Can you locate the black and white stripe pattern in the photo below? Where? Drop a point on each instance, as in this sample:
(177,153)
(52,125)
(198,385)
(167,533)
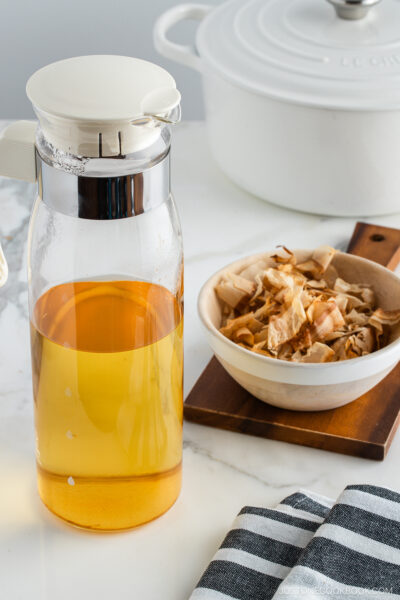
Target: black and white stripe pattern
(261,548)
(308,548)
(355,553)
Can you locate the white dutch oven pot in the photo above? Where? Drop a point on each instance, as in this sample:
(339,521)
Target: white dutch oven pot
(302,98)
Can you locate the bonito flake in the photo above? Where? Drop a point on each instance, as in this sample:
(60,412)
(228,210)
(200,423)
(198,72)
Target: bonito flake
(302,312)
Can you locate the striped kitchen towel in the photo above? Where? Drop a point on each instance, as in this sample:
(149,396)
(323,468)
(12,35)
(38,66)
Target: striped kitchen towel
(307,549)
(354,554)
(261,548)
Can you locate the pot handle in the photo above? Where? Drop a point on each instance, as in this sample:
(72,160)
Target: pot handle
(185,55)
(353,10)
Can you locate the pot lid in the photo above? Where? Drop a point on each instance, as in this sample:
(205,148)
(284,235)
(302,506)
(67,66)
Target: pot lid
(328,53)
(97,105)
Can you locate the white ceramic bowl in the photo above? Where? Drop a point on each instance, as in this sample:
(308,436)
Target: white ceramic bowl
(308,387)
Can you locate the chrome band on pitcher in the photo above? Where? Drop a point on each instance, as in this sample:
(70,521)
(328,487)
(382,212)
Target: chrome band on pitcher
(103,198)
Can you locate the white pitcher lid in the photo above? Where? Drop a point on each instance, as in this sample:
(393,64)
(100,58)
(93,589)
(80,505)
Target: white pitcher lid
(329,53)
(87,105)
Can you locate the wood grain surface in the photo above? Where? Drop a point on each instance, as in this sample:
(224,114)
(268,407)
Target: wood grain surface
(363,428)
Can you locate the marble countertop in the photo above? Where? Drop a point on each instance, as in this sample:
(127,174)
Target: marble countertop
(41,558)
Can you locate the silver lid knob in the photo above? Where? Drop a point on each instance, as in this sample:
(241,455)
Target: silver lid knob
(353,9)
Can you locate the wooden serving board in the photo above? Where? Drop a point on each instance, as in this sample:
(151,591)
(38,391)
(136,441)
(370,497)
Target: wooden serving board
(363,428)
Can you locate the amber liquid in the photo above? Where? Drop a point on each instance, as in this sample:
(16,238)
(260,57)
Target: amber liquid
(107,377)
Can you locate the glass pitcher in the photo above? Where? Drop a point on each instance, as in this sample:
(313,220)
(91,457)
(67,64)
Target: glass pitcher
(105,277)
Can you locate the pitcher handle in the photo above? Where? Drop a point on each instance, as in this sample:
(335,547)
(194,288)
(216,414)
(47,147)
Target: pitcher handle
(17,151)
